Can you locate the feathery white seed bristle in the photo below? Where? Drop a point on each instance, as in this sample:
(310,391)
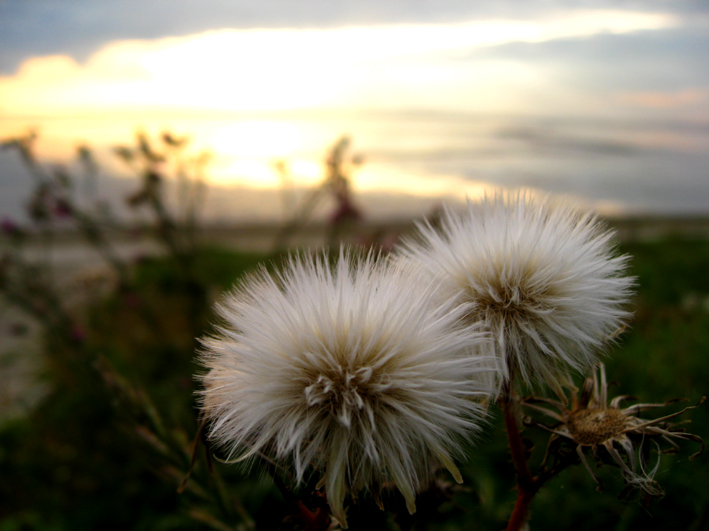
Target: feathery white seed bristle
(350,368)
(541,275)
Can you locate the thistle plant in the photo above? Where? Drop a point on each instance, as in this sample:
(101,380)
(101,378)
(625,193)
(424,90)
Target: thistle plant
(365,373)
(593,422)
(543,279)
(540,275)
(348,371)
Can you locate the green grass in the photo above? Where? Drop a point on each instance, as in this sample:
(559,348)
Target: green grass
(77,462)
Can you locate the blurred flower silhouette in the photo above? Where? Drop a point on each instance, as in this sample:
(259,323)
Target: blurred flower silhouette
(349,368)
(541,276)
(9,227)
(339,164)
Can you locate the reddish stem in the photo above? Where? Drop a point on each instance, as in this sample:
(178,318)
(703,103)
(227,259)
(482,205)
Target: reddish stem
(526,484)
(519,513)
(517,448)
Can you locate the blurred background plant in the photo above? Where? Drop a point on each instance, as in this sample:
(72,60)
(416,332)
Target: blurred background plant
(113,435)
(115,432)
(339,164)
(76,460)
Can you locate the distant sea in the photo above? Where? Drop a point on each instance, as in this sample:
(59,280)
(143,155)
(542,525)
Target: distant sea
(412,160)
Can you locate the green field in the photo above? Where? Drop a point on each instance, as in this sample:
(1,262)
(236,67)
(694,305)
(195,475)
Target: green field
(109,445)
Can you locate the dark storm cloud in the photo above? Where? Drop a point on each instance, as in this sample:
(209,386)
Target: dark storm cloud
(79,27)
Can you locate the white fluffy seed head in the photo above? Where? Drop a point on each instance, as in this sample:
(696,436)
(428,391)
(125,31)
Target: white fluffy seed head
(350,369)
(541,275)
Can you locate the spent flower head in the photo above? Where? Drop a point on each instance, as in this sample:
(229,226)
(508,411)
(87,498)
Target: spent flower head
(541,275)
(592,421)
(348,369)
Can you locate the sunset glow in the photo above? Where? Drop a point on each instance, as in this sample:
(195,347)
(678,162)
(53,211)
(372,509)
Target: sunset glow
(285,69)
(255,96)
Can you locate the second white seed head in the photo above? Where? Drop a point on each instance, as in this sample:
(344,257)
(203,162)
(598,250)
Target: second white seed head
(542,276)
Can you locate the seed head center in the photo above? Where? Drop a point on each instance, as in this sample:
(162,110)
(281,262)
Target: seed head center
(343,392)
(590,427)
(504,299)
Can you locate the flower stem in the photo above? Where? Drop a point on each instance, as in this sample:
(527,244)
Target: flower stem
(526,484)
(521,509)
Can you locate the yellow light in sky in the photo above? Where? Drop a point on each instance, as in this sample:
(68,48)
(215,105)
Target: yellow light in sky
(377,67)
(257,139)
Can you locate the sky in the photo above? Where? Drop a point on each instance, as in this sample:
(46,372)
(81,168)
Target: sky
(607,102)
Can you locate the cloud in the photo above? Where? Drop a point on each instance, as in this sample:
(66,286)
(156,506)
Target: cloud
(683,98)
(79,27)
(670,59)
(365,66)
